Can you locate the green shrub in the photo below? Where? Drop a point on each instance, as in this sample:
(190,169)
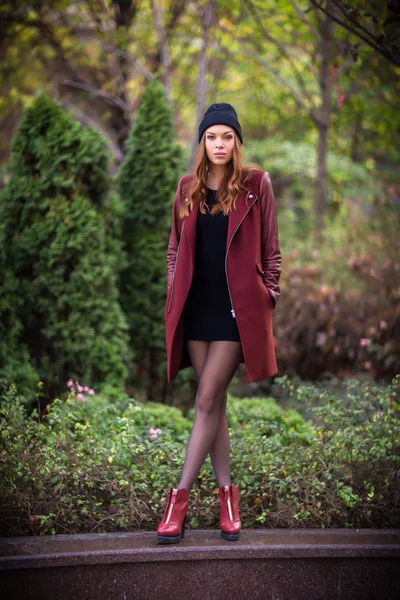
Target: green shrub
(91,465)
(59,257)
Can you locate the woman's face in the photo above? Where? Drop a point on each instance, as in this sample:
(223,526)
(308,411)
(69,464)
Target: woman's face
(219,140)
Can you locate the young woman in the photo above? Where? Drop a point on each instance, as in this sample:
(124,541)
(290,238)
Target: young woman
(223,265)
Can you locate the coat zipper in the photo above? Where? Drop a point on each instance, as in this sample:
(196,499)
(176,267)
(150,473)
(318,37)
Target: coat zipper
(226,256)
(176,260)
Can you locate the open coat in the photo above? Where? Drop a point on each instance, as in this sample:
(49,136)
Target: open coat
(252,266)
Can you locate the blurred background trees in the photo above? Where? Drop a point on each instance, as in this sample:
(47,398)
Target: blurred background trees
(319,109)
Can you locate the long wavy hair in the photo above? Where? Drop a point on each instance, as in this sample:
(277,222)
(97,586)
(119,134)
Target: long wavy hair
(236,174)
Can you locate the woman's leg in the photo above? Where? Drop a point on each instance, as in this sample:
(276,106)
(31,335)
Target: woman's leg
(221,363)
(220,450)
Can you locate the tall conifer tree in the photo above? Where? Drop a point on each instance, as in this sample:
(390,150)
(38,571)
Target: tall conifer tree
(147,182)
(58,244)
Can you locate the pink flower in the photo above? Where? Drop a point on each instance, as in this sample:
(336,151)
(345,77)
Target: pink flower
(364,342)
(86,389)
(91,392)
(70,383)
(80,388)
(92,441)
(72,392)
(154,433)
(81,397)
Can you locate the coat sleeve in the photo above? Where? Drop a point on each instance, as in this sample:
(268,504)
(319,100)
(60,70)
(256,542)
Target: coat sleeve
(270,252)
(176,227)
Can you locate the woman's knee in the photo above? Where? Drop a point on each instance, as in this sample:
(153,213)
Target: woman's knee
(209,401)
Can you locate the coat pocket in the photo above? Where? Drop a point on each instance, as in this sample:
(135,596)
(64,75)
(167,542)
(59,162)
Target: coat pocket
(260,271)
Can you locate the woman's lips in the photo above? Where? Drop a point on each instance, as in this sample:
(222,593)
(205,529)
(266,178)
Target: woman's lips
(219,155)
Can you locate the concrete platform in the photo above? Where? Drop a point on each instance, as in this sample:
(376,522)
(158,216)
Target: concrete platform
(276,564)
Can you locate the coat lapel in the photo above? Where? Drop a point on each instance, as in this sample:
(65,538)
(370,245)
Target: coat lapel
(244,202)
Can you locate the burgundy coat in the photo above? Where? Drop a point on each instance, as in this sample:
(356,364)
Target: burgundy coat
(253,268)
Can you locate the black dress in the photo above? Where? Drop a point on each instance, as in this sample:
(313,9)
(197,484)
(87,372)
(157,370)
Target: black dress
(207,312)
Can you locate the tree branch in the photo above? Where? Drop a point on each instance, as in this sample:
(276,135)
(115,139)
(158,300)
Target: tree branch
(297,96)
(110,98)
(368,38)
(306,20)
(127,56)
(280,47)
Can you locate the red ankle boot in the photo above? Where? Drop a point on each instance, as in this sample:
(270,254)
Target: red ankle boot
(172,526)
(229,512)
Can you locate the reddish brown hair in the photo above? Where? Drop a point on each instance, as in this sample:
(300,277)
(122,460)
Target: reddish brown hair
(236,174)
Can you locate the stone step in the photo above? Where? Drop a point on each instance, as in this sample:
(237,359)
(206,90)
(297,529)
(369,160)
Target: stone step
(276,564)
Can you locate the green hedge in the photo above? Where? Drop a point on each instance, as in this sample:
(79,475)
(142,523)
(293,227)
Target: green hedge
(94,465)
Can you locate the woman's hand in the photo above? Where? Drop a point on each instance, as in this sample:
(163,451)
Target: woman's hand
(270,252)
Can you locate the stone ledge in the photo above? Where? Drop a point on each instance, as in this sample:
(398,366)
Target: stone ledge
(65,550)
(276,564)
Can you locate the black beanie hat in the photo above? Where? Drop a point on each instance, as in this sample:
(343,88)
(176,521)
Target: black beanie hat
(220,114)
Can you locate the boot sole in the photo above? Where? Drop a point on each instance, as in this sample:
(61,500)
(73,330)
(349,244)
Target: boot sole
(172,539)
(229,537)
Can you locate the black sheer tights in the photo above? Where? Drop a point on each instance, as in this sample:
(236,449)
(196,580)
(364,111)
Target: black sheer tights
(214,363)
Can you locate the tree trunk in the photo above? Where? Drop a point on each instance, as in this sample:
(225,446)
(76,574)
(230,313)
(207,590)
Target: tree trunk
(322,121)
(321,183)
(201,93)
(164,50)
